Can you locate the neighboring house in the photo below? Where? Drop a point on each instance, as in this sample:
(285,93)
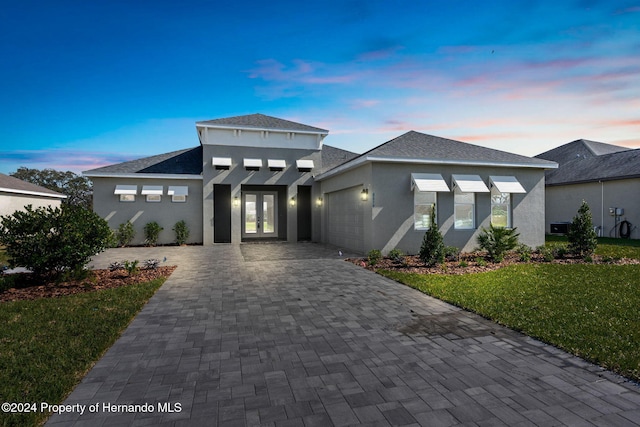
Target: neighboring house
(15,194)
(606,176)
(258,177)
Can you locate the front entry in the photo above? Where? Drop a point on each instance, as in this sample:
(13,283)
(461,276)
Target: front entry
(259,214)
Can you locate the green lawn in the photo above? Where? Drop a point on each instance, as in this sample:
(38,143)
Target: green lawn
(48,345)
(614,248)
(588,310)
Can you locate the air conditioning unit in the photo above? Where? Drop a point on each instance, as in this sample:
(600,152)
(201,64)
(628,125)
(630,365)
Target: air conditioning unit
(560,227)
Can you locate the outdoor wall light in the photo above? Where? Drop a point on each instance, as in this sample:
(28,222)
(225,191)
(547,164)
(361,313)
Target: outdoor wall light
(364,194)
(319,201)
(292,201)
(236,201)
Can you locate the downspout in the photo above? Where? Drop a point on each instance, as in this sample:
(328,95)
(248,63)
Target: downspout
(602,205)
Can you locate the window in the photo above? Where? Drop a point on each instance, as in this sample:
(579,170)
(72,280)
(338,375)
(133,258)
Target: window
(126,193)
(153,193)
(464,210)
(423,203)
(500,208)
(154,198)
(178,193)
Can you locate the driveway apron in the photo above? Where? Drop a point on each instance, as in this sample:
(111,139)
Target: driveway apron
(292,335)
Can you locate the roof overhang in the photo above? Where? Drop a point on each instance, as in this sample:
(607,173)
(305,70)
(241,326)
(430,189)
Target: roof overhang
(359,161)
(258,129)
(90,174)
(276,164)
(126,189)
(32,193)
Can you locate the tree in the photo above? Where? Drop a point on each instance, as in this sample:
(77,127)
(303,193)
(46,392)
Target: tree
(50,240)
(77,188)
(583,239)
(432,251)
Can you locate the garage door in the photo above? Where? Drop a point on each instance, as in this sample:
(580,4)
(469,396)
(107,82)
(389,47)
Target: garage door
(345,219)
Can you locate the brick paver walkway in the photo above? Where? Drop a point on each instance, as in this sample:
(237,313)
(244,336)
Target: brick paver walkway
(291,335)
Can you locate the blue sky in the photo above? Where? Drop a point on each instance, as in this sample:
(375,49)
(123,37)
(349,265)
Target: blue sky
(89,83)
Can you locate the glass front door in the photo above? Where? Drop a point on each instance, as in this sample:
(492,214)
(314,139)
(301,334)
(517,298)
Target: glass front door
(259,216)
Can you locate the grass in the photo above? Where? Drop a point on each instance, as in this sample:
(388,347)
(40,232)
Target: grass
(48,345)
(588,310)
(614,248)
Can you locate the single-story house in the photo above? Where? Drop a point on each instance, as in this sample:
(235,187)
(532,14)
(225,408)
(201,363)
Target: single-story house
(258,177)
(15,194)
(606,176)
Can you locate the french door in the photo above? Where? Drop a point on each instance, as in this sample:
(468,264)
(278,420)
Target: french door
(259,214)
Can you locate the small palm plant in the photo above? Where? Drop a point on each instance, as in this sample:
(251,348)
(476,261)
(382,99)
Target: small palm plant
(497,241)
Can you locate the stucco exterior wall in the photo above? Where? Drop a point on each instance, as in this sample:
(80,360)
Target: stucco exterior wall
(393,206)
(563,201)
(11,202)
(388,213)
(237,176)
(166,213)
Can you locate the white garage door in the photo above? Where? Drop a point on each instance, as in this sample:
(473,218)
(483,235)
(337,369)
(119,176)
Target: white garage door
(345,219)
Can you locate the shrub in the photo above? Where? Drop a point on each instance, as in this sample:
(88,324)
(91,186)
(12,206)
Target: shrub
(131,267)
(151,264)
(481,262)
(182,232)
(463,264)
(497,241)
(583,239)
(451,253)
(524,252)
(560,251)
(125,234)
(151,233)
(374,256)
(432,250)
(53,240)
(546,252)
(396,255)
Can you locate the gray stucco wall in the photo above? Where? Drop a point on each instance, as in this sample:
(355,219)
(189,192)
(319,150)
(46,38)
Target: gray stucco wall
(237,176)
(166,213)
(388,213)
(563,201)
(393,206)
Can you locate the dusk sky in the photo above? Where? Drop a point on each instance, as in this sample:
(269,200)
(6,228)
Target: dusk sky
(89,83)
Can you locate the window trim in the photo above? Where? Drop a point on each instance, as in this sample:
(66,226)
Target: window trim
(176,198)
(127,198)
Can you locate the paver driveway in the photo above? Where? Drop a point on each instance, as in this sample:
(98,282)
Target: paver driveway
(291,335)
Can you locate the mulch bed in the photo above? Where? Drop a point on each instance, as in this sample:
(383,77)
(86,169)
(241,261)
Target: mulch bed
(474,262)
(32,288)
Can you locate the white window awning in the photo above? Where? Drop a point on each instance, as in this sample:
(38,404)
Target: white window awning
(507,184)
(275,164)
(469,184)
(304,164)
(178,191)
(221,162)
(126,189)
(252,164)
(152,190)
(428,182)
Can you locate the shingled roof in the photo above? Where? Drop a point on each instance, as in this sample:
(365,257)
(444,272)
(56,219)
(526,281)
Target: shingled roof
(416,147)
(10,184)
(260,121)
(181,162)
(332,157)
(579,148)
(589,161)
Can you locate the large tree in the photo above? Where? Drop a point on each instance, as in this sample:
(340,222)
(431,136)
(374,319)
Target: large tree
(77,188)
